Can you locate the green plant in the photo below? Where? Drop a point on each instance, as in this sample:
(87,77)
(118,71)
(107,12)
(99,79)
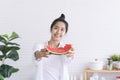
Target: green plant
(8,50)
(118,57)
(115,57)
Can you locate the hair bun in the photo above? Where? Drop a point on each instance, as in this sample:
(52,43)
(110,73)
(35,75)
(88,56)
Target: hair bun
(62,16)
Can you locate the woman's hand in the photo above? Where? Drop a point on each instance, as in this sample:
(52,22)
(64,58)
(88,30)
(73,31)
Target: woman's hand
(70,53)
(41,53)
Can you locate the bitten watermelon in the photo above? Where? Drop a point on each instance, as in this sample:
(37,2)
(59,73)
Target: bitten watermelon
(59,50)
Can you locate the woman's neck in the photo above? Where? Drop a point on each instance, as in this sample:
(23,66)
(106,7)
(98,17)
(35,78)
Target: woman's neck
(53,43)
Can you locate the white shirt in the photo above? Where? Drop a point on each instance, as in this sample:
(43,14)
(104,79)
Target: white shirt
(52,68)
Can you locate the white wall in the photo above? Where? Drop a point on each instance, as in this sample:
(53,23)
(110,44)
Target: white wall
(94,28)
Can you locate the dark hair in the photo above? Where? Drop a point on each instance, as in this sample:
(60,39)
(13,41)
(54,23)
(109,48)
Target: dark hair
(61,18)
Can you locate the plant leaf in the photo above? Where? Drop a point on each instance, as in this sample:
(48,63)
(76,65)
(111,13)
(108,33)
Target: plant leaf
(1,57)
(11,43)
(5,36)
(13,36)
(4,49)
(15,70)
(13,47)
(6,70)
(13,55)
(1,77)
(2,39)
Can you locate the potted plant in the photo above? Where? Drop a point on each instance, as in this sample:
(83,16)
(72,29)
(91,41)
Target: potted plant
(116,61)
(115,57)
(8,50)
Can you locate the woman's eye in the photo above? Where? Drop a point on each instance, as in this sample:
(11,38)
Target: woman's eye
(62,29)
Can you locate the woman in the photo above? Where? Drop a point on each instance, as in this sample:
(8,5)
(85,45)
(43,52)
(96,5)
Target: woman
(49,66)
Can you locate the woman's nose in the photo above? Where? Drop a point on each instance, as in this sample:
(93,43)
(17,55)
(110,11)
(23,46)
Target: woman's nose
(58,31)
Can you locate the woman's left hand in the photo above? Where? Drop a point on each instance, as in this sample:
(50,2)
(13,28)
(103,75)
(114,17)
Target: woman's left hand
(70,54)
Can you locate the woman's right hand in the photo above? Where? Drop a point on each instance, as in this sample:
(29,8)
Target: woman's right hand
(41,53)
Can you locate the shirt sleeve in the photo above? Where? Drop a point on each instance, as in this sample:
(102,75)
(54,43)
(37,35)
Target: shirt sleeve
(37,47)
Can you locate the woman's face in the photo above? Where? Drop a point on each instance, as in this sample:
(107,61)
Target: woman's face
(58,31)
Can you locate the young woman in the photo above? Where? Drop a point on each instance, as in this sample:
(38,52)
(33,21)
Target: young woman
(50,66)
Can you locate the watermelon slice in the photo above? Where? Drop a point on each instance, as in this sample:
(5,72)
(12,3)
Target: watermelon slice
(59,50)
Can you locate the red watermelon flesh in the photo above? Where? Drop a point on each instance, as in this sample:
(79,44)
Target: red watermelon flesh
(59,50)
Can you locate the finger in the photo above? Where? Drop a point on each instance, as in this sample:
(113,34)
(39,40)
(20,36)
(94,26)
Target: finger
(70,54)
(44,50)
(72,49)
(46,54)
